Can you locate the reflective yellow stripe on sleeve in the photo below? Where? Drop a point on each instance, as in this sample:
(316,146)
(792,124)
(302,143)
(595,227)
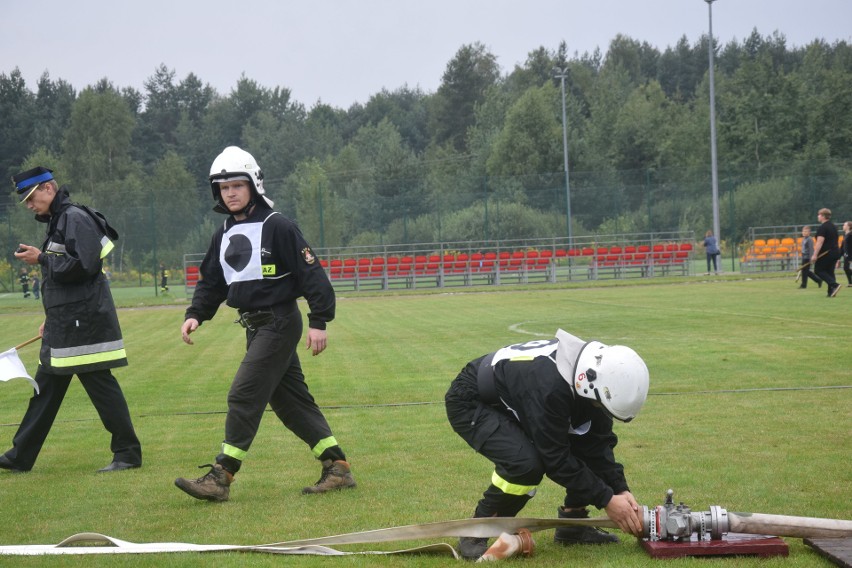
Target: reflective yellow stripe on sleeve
(106,247)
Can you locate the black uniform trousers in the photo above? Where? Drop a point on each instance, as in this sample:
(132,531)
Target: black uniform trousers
(806,273)
(106,396)
(497,435)
(824,269)
(271,373)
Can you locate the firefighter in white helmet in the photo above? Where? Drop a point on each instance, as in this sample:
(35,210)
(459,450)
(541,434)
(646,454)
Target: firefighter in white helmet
(546,407)
(259,263)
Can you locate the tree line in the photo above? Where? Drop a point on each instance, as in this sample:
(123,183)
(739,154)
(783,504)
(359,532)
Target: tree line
(479,158)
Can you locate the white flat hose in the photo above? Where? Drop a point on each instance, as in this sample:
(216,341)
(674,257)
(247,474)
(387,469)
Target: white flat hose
(96,543)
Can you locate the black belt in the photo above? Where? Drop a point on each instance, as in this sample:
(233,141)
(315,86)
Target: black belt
(255,319)
(485,382)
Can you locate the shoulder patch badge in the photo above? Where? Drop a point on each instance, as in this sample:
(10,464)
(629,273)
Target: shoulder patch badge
(308,255)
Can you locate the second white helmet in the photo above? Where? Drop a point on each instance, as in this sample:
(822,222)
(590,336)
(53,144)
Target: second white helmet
(615,376)
(235,163)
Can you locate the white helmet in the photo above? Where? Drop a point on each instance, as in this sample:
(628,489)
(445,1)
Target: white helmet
(232,164)
(613,375)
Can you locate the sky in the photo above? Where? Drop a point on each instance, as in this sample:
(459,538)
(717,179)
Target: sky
(341,52)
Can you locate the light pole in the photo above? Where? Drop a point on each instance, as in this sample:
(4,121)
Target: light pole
(714,168)
(561,73)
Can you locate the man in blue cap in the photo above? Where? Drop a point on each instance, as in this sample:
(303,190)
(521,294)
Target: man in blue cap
(80,334)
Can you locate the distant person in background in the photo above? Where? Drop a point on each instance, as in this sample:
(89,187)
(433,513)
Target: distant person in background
(36,283)
(164,278)
(807,253)
(847,251)
(24,279)
(826,252)
(711,247)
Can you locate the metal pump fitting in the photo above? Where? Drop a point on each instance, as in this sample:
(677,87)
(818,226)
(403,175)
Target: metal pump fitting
(678,522)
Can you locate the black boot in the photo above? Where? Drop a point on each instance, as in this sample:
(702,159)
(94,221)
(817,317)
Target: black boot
(580,534)
(471,548)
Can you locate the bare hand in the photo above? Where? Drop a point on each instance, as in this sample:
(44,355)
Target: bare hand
(188,327)
(27,253)
(316,340)
(624,511)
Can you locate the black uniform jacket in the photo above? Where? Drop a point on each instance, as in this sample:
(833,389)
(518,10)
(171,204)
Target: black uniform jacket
(81,330)
(284,265)
(574,439)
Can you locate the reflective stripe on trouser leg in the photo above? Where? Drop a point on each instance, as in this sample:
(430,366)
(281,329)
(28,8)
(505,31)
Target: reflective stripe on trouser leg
(503,498)
(233,452)
(512,488)
(323,445)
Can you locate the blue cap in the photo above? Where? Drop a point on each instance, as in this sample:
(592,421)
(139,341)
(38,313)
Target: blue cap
(26,182)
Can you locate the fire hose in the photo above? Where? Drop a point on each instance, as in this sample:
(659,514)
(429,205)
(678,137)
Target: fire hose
(665,522)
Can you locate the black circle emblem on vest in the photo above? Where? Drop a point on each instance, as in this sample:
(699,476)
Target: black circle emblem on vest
(238,253)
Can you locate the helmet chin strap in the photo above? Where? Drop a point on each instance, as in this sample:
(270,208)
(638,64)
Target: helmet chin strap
(247,208)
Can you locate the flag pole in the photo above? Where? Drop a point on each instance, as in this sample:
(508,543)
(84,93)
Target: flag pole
(27,342)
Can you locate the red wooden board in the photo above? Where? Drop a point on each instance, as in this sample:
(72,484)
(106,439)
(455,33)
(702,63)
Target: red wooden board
(730,545)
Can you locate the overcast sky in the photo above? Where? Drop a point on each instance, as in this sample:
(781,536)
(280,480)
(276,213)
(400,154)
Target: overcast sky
(343,51)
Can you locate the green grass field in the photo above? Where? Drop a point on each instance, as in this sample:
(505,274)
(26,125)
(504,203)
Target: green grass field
(750,409)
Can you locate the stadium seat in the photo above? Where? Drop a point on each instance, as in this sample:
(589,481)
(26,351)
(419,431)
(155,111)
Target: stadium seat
(433,265)
(192,276)
(420,265)
(377,266)
(532,258)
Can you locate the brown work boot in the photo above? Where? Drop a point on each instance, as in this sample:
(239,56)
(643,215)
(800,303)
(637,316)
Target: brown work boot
(335,475)
(213,486)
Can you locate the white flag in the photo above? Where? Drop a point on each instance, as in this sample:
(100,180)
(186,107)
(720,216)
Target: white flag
(11,367)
